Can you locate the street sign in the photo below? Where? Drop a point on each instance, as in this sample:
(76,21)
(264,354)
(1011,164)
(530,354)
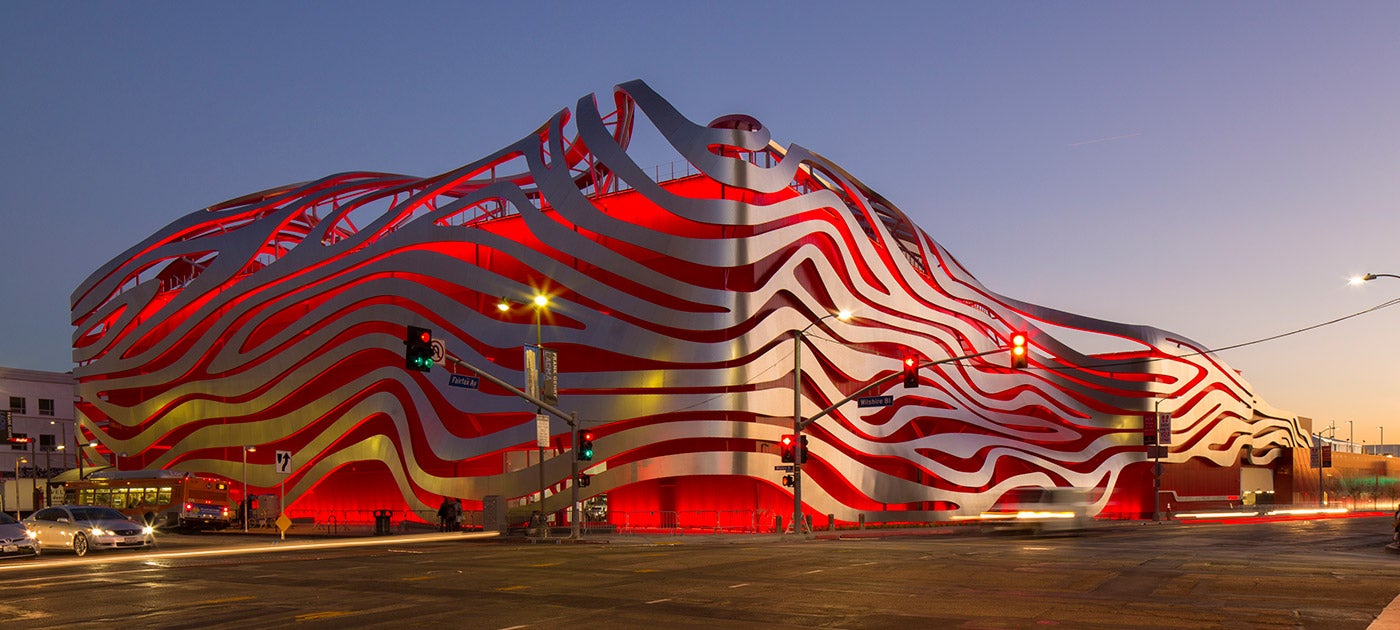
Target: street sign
(439,352)
(875,401)
(787,468)
(532,370)
(542,430)
(549,376)
(1321,456)
(1157,452)
(462,380)
(284,462)
(1149,430)
(1164,428)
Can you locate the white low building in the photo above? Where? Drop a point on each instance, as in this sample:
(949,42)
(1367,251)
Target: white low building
(40,407)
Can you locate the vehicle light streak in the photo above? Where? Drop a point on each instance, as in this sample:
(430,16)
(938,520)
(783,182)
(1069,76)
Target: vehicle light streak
(278,547)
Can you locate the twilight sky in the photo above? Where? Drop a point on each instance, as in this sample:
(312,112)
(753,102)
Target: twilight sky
(1215,169)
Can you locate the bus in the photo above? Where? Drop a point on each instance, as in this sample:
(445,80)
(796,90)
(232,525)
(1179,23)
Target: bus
(167,499)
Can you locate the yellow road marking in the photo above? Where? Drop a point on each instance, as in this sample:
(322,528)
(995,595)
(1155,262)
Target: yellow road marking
(417,578)
(227,600)
(512,588)
(323,615)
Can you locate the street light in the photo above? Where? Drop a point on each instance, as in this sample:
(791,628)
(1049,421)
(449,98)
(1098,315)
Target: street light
(1351,435)
(246,503)
(1356,280)
(797,520)
(541,302)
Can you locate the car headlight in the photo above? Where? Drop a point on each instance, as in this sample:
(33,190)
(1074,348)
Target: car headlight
(98,531)
(148,530)
(33,535)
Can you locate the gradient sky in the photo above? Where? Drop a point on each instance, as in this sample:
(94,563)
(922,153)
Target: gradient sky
(1215,169)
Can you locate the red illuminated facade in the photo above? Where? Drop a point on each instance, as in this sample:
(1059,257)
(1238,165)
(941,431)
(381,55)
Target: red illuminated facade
(277,320)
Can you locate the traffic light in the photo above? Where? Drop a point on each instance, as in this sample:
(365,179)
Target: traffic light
(585,446)
(787,481)
(418,349)
(788,443)
(911,372)
(584,479)
(1018,350)
(802,452)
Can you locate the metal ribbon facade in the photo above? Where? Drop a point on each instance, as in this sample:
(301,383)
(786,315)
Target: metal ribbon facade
(277,320)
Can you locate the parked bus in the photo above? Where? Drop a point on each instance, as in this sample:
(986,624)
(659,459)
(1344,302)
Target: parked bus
(169,499)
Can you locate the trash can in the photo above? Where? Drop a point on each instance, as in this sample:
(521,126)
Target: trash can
(381,522)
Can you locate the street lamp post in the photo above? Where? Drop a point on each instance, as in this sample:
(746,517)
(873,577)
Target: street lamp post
(540,302)
(1351,436)
(246,503)
(799,451)
(17,463)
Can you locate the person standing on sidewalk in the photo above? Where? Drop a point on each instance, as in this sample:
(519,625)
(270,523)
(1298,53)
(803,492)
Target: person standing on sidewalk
(444,513)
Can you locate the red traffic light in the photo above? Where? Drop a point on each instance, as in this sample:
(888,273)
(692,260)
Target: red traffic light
(425,336)
(1018,350)
(911,372)
(787,440)
(586,436)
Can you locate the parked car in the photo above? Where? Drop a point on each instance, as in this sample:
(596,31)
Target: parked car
(15,538)
(80,528)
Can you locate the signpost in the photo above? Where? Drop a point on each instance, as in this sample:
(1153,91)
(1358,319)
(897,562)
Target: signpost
(284,467)
(462,380)
(875,401)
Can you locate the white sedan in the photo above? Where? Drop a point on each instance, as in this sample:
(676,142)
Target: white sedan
(81,528)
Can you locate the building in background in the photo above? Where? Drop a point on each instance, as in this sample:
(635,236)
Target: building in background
(263,338)
(39,441)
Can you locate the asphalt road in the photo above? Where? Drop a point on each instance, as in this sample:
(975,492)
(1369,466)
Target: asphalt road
(1331,573)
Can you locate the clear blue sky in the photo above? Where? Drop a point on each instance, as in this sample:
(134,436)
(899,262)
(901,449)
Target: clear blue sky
(1215,169)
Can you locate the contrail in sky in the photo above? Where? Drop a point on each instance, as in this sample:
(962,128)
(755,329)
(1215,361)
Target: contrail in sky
(1108,139)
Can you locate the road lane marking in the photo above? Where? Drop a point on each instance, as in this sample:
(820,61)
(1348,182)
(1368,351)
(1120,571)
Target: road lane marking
(323,615)
(225,600)
(658,601)
(646,570)
(812,571)
(738,585)
(512,588)
(547,564)
(417,578)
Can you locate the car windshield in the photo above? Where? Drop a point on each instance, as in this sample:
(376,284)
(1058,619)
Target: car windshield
(97,514)
(6,519)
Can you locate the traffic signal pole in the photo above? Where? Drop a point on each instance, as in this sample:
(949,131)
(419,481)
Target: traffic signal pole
(798,423)
(569,417)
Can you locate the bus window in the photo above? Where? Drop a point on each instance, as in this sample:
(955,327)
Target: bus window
(118,498)
(103,497)
(164,497)
(152,497)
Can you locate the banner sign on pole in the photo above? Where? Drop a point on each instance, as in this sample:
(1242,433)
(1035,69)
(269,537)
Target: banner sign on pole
(1149,430)
(1164,428)
(532,370)
(549,376)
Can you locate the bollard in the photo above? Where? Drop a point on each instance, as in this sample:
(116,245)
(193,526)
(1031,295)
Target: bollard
(862,522)
(831,522)
(779,524)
